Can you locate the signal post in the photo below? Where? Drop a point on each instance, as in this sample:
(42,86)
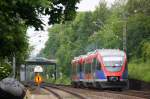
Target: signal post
(38,78)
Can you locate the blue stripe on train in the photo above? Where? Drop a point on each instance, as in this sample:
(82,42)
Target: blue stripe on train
(100,74)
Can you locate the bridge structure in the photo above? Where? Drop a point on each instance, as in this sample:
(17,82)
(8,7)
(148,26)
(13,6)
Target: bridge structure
(31,63)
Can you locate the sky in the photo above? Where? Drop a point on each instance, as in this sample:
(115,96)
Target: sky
(37,39)
(89,5)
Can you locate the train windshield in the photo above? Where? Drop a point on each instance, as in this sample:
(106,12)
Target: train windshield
(113,63)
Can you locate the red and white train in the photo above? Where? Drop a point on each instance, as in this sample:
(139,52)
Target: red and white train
(102,68)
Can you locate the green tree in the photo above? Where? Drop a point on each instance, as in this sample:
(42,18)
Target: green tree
(30,11)
(5,69)
(138,27)
(17,15)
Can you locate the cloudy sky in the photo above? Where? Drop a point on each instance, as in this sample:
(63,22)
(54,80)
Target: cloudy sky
(37,39)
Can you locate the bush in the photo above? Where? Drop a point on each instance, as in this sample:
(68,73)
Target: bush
(139,71)
(5,70)
(146,50)
(64,80)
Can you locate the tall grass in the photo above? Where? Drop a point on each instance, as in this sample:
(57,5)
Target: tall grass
(64,80)
(139,71)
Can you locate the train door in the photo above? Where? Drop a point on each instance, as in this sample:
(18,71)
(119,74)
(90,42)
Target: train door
(74,71)
(98,70)
(89,71)
(86,71)
(81,72)
(94,62)
(92,70)
(77,71)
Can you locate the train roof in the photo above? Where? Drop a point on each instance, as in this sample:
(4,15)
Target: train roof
(102,52)
(78,58)
(111,52)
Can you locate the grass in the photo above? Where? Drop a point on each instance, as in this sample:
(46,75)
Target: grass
(139,71)
(61,80)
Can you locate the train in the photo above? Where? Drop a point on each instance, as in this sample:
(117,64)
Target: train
(101,68)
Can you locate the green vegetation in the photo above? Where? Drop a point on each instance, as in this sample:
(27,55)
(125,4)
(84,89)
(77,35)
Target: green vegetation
(139,71)
(17,15)
(48,76)
(104,28)
(61,80)
(5,70)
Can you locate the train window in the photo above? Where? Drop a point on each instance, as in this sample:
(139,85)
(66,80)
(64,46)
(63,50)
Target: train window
(89,67)
(86,68)
(83,65)
(94,64)
(98,65)
(80,67)
(74,69)
(113,61)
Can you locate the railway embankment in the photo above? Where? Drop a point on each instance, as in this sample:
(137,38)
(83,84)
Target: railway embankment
(139,70)
(139,75)
(138,85)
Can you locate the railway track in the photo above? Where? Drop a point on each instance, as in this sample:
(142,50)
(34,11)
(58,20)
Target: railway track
(64,94)
(85,93)
(133,93)
(103,94)
(59,93)
(143,94)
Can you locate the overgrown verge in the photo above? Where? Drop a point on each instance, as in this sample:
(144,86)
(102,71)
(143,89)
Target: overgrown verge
(5,69)
(64,80)
(139,70)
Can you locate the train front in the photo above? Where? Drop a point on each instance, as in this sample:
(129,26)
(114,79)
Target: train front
(114,64)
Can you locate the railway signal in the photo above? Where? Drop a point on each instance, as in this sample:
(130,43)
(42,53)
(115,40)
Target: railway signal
(38,78)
